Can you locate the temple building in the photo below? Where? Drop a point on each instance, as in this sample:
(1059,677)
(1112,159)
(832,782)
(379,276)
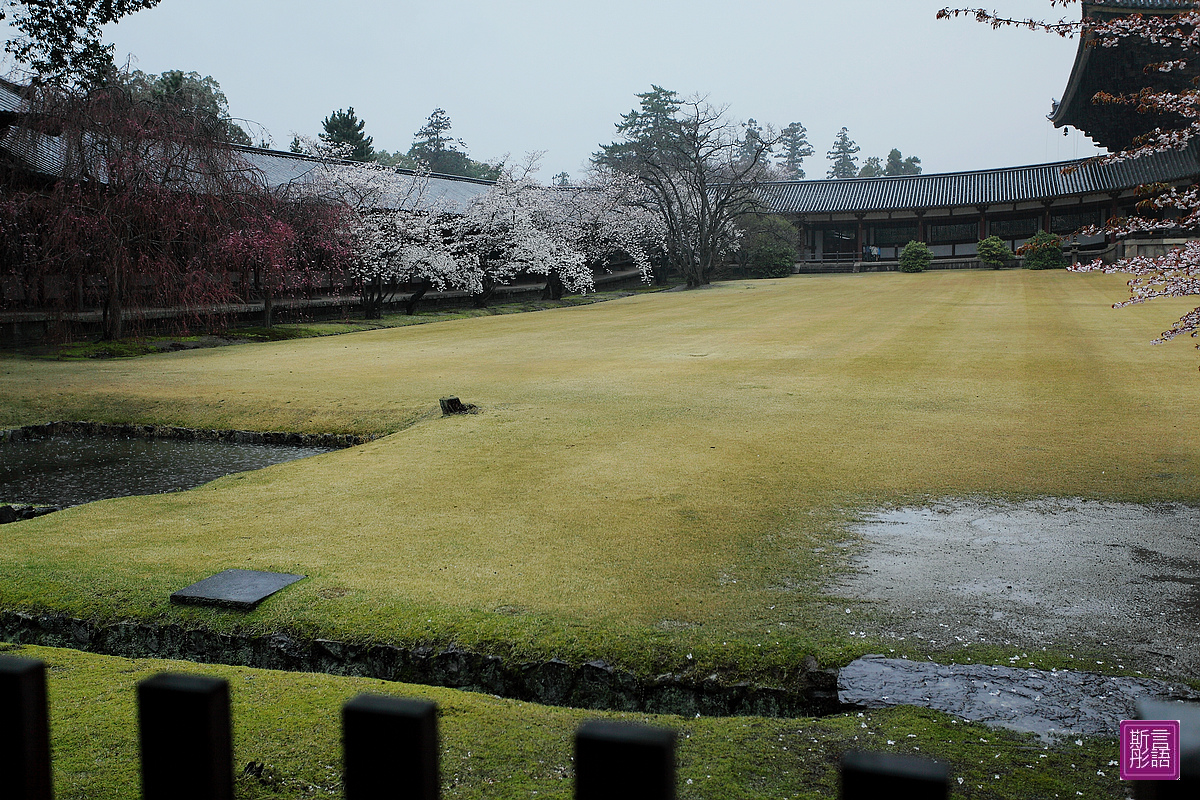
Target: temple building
(863,223)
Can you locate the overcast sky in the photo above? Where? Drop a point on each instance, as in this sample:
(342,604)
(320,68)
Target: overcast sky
(528,75)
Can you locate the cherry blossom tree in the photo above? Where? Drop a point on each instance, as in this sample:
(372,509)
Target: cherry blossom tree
(150,208)
(1164,209)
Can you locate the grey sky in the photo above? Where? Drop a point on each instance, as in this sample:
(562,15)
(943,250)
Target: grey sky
(553,76)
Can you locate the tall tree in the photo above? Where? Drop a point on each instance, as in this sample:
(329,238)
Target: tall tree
(60,40)
(698,173)
(434,147)
(191,96)
(344,128)
(843,161)
(898,165)
(794,148)
(871,168)
(751,138)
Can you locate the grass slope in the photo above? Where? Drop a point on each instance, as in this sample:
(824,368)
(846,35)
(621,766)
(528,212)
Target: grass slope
(288,724)
(658,476)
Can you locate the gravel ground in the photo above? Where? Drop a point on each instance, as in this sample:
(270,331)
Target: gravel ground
(1117,583)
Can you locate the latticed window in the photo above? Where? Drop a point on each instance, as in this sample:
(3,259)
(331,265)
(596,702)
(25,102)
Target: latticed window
(1069,222)
(1015,228)
(954,232)
(895,236)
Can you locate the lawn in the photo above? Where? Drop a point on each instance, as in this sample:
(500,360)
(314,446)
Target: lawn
(288,726)
(647,479)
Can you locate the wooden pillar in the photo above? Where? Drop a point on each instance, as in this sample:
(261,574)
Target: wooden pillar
(921,226)
(860,240)
(982,222)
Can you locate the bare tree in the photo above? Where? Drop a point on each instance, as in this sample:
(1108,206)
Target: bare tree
(699,171)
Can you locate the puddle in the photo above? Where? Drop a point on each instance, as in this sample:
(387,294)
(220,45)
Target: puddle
(1119,580)
(1050,704)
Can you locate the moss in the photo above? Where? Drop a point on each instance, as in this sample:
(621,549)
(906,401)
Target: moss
(287,726)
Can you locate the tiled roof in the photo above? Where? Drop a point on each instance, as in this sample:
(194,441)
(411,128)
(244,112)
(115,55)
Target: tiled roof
(48,155)
(984,187)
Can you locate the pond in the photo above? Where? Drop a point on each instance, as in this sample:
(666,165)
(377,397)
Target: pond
(68,471)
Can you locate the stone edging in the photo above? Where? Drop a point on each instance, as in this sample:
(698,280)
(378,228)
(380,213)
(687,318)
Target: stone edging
(594,685)
(131,431)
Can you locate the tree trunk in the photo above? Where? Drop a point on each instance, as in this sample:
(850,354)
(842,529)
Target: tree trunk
(372,298)
(268,309)
(410,305)
(113,322)
(554,287)
(482,299)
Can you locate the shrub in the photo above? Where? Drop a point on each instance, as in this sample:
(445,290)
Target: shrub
(994,252)
(915,257)
(772,260)
(1043,251)
(768,246)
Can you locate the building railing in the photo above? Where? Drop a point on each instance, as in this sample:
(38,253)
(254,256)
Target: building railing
(390,749)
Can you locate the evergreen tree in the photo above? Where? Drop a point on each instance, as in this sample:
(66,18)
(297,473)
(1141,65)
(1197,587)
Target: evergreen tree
(752,140)
(844,162)
(562,179)
(434,147)
(343,127)
(871,168)
(793,141)
(898,165)
(190,96)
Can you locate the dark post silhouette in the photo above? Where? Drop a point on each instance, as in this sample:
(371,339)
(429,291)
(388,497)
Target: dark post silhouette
(187,747)
(619,759)
(865,776)
(24,729)
(390,748)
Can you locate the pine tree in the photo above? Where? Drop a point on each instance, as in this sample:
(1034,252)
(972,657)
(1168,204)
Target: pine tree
(793,141)
(898,165)
(844,162)
(752,141)
(343,127)
(871,168)
(435,148)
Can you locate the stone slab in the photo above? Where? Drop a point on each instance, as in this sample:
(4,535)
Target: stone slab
(241,589)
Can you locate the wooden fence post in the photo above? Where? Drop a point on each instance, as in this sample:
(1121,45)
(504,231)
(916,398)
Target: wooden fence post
(390,748)
(866,776)
(619,759)
(24,729)
(1188,785)
(187,749)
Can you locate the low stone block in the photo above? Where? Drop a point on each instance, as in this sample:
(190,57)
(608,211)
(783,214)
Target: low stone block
(241,589)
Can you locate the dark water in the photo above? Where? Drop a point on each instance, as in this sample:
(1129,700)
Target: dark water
(69,471)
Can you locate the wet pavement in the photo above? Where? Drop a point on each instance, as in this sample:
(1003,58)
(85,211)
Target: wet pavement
(1047,703)
(1112,584)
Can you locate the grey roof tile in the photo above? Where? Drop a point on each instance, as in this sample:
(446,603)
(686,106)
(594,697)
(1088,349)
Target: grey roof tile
(983,187)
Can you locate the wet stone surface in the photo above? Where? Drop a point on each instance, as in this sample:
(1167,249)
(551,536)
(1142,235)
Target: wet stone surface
(1049,704)
(1112,584)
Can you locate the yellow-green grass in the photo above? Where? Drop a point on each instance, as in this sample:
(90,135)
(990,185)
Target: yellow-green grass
(660,475)
(492,748)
